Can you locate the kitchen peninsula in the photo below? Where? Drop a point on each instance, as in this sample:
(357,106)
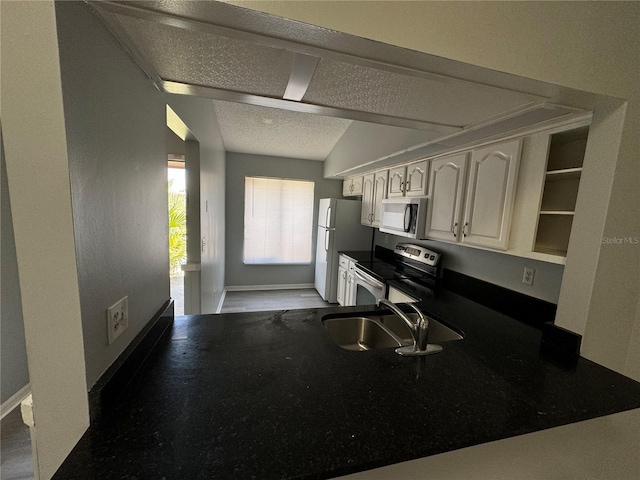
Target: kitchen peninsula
(269,395)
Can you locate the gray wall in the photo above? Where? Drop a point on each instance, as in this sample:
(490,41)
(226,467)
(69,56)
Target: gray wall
(199,116)
(14,373)
(240,165)
(493,267)
(116,136)
(175,145)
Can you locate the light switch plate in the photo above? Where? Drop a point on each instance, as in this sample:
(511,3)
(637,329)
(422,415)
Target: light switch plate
(117,318)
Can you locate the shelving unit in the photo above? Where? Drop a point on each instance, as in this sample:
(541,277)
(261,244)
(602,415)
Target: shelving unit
(562,181)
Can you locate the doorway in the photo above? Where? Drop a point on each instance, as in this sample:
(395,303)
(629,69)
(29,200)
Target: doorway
(183,177)
(177,218)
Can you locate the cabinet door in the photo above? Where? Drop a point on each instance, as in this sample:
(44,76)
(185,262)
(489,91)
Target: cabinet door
(493,172)
(367,200)
(446,187)
(396,181)
(356,185)
(347,187)
(350,289)
(416,183)
(379,194)
(342,284)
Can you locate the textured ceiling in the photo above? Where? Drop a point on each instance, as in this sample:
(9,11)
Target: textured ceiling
(431,99)
(200,56)
(281,133)
(201,59)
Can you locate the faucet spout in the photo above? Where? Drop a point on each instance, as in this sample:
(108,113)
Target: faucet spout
(393,307)
(419,330)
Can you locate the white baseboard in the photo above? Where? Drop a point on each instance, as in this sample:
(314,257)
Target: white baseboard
(221,302)
(292,286)
(15,400)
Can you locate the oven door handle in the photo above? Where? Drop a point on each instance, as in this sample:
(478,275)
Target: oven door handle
(368,280)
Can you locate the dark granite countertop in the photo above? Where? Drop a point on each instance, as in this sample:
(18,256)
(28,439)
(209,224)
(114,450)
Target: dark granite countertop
(269,395)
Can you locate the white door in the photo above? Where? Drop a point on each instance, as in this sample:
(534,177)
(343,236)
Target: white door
(493,172)
(446,196)
(367,200)
(396,181)
(322,282)
(379,194)
(416,183)
(326,212)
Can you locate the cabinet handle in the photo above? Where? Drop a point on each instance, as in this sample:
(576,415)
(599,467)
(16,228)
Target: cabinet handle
(453,229)
(464,229)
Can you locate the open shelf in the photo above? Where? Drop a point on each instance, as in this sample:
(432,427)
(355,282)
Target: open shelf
(567,149)
(556,212)
(562,181)
(553,234)
(564,174)
(560,193)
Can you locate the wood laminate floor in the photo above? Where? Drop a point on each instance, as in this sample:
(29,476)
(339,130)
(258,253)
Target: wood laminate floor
(258,300)
(15,448)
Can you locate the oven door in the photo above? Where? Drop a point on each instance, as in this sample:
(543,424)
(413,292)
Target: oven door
(368,290)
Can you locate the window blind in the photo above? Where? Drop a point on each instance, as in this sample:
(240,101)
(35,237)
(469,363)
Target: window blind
(278,221)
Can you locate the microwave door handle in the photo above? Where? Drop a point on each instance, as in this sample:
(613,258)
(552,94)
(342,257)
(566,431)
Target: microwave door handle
(407,217)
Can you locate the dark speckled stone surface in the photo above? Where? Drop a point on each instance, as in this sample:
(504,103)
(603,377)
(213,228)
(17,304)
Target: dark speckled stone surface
(269,395)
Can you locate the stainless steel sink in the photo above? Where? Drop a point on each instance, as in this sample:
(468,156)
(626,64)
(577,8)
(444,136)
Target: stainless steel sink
(361,333)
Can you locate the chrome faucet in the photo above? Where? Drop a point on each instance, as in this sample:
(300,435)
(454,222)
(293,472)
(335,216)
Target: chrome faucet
(419,330)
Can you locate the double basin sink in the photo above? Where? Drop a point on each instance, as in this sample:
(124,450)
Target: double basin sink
(373,331)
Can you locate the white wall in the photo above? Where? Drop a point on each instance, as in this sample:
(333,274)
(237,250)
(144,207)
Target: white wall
(116,137)
(239,166)
(591,46)
(13,350)
(199,116)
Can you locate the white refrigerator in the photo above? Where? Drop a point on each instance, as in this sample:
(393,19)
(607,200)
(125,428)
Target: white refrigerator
(339,229)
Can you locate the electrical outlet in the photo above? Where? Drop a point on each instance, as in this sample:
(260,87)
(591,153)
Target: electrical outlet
(386,238)
(527,277)
(117,318)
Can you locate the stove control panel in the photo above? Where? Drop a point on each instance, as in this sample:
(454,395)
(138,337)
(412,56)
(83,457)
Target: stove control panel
(417,253)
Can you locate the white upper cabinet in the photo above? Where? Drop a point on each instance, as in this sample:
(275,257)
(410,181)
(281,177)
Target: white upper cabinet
(493,172)
(479,214)
(396,181)
(417,175)
(447,175)
(367,199)
(352,186)
(374,190)
(409,180)
(379,194)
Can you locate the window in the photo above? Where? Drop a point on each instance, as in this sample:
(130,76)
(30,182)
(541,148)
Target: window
(278,221)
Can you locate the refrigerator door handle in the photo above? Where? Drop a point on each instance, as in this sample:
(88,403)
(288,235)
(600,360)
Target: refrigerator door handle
(326,240)
(327,218)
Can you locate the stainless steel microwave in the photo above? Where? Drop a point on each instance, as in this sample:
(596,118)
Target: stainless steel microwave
(404,216)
